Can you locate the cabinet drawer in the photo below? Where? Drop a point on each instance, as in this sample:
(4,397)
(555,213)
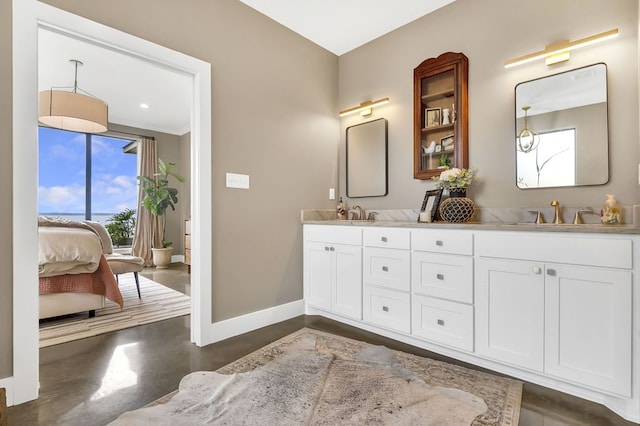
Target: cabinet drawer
(187,241)
(333,234)
(387,268)
(443,322)
(387,238)
(187,256)
(576,249)
(445,241)
(387,308)
(447,276)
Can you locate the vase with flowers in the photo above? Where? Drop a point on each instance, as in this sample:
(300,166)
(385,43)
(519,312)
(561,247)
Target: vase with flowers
(456,208)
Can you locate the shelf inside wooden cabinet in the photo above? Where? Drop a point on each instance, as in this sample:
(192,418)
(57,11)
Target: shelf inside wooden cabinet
(433,96)
(436,128)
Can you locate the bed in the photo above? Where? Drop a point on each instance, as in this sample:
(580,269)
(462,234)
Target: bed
(74,275)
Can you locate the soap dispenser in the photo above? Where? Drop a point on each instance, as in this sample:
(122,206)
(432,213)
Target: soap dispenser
(341,210)
(611,212)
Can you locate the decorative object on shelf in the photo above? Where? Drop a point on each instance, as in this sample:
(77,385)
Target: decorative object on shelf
(365,108)
(430,204)
(444,162)
(72,110)
(527,139)
(432,117)
(453,113)
(447,143)
(457,209)
(429,149)
(559,52)
(445,116)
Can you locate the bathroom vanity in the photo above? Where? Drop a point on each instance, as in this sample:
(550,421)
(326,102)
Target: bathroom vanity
(556,305)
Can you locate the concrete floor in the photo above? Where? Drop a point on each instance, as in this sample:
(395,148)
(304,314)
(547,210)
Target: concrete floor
(92,381)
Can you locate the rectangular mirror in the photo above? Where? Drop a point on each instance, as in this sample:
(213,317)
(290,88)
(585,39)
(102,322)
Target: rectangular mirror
(562,136)
(367,159)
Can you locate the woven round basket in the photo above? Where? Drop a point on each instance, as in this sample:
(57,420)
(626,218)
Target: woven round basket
(457,209)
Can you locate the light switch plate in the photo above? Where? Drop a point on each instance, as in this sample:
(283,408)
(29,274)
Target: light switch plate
(332,193)
(235,180)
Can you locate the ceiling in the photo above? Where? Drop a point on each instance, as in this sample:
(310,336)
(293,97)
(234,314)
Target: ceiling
(343,25)
(125,81)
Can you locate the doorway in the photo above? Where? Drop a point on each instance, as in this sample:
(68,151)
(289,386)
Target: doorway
(28,17)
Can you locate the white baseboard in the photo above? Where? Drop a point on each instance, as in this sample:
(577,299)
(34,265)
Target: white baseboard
(7,383)
(234,326)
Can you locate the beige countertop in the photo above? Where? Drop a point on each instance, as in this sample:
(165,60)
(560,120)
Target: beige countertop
(488,226)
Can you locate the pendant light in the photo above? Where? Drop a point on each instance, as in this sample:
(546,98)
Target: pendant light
(527,139)
(74,111)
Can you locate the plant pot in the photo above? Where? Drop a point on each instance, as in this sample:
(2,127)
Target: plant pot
(162,257)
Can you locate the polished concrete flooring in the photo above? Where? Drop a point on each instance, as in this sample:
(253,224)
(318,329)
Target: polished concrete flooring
(92,381)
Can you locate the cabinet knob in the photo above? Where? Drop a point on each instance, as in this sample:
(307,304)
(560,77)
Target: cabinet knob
(326,249)
(551,272)
(440,322)
(440,276)
(384,239)
(536,270)
(385,308)
(439,243)
(385,268)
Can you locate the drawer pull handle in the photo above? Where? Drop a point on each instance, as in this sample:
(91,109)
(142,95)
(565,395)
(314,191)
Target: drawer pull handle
(440,322)
(440,276)
(326,249)
(385,308)
(385,268)
(439,243)
(384,239)
(551,272)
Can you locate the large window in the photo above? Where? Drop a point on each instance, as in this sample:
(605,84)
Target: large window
(83,176)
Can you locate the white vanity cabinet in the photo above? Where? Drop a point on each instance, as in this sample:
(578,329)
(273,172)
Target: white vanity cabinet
(568,321)
(442,287)
(333,269)
(386,278)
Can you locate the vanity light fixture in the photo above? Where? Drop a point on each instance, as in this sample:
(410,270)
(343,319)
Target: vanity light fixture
(527,139)
(365,108)
(72,110)
(559,52)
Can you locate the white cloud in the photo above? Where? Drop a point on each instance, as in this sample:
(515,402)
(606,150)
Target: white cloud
(61,198)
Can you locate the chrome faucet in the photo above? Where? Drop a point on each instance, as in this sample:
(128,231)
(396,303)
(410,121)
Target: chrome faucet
(556,214)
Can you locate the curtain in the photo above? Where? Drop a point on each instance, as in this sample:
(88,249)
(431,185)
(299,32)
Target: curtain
(148,232)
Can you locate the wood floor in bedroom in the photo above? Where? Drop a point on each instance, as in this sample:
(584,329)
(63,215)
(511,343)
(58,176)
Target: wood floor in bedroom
(92,381)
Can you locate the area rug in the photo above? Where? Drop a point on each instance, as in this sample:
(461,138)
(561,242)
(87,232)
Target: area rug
(158,303)
(331,380)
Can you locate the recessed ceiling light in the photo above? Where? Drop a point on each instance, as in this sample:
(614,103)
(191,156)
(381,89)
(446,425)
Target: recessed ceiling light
(144,106)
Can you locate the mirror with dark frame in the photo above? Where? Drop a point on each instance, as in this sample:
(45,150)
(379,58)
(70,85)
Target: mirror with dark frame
(367,174)
(562,129)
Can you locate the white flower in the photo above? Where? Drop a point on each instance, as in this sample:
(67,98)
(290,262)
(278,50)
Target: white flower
(455,178)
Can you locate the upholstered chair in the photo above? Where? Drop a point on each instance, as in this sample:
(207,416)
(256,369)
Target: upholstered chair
(119,263)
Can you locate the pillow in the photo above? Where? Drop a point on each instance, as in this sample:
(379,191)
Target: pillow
(107,247)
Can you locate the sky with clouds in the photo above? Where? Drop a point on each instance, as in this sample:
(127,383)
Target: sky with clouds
(62,171)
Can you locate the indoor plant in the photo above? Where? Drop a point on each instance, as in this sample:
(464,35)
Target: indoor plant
(121,226)
(158,196)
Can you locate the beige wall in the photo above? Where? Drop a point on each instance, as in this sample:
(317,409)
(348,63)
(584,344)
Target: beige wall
(489,32)
(6,253)
(274,102)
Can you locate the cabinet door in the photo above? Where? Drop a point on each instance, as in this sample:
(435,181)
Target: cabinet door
(318,274)
(510,311)
(346,295)
(588,326)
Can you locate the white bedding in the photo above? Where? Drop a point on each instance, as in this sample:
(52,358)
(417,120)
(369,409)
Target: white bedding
(63,250)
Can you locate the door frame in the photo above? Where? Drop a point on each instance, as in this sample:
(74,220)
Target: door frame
(28,16)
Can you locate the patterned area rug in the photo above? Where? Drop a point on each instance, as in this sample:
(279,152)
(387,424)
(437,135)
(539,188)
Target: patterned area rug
(158,303)
(501,395)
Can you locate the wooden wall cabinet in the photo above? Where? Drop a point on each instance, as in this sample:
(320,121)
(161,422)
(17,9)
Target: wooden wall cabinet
(440,119)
